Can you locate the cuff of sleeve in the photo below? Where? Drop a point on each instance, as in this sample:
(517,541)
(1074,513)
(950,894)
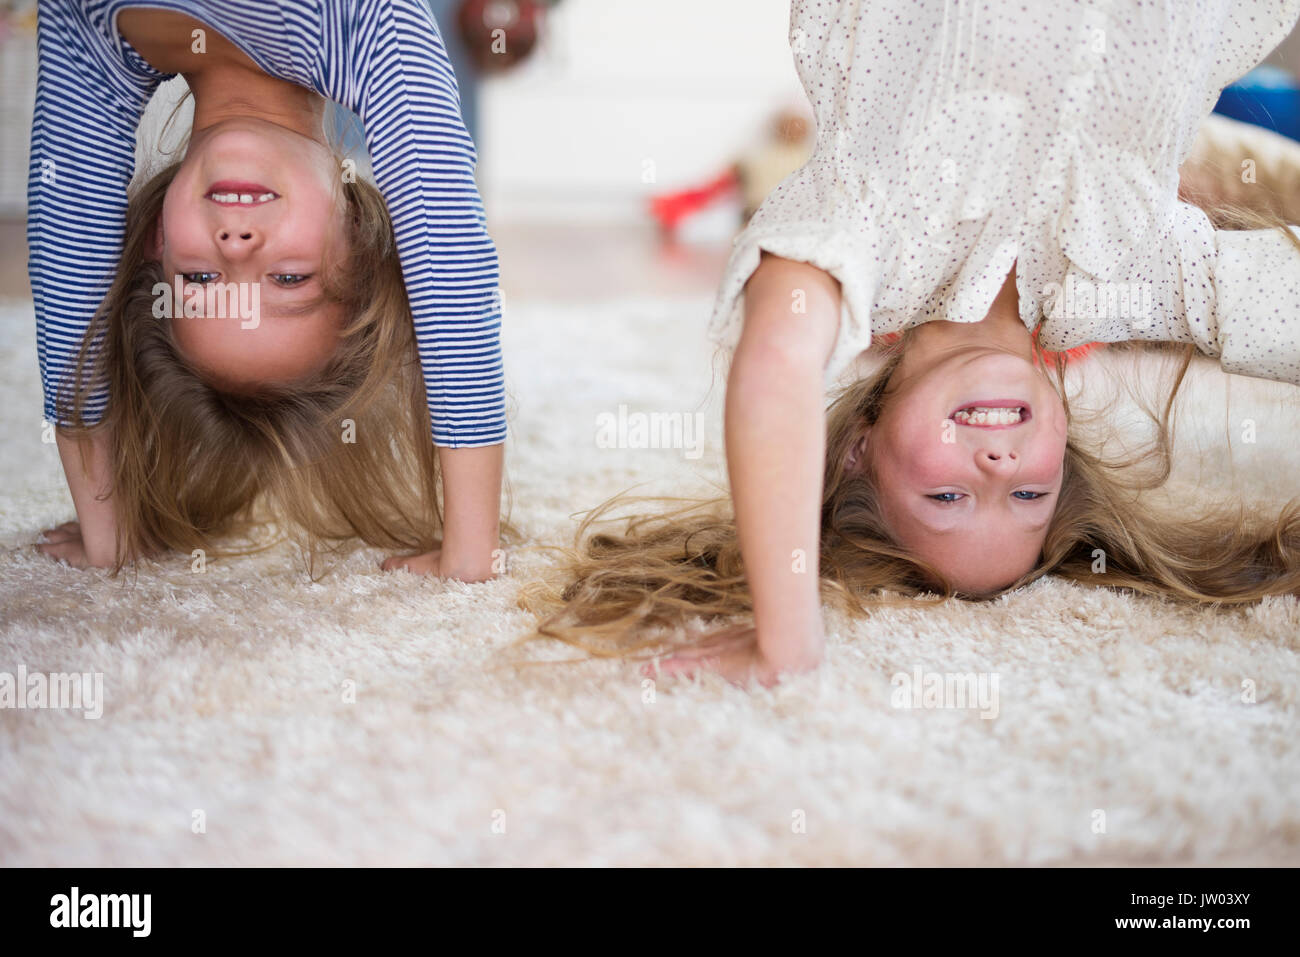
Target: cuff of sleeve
(1257,299)
(844,255)
(92,413)
(471,438)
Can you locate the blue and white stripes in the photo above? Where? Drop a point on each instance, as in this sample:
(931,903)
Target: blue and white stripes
(383,59)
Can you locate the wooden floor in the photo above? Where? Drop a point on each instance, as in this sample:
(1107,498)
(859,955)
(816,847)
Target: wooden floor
(561,261)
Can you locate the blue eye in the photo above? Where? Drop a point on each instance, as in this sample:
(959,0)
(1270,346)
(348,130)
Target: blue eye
(289,279)
(956,497)
(201,278)
(1032,495)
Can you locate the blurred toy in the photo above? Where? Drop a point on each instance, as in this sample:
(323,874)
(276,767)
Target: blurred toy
(670,209)
(500,33)
(17,17)
(746,184)
(761,171)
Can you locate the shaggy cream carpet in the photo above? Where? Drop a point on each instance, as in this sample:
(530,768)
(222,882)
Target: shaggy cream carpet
(252,717)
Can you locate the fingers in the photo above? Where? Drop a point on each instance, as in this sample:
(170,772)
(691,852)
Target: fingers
(738,667)
(424,564)
(682,666)
(61,533)
(63,544)
(738,643)
(729,652)
(67,552)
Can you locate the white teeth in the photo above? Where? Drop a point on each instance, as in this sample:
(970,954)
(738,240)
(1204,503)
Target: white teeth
(978,415)
(245,199)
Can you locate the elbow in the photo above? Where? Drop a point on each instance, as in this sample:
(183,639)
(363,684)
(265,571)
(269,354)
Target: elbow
(786,349)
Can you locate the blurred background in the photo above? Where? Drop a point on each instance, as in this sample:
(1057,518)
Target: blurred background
(621,142)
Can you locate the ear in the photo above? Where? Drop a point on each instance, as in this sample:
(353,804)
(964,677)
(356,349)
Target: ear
(856,460)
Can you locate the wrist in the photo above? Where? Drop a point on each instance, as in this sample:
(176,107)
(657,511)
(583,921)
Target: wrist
(100,554)
(793,647)
(469,560)
(790,658)
(99,539)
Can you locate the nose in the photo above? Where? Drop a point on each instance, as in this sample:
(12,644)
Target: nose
(237,240)
(997,461)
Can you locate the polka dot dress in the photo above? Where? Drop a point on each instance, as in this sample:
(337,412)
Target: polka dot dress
(955,139)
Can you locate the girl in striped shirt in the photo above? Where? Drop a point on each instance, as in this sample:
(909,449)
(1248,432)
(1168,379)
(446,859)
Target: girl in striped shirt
(257,325)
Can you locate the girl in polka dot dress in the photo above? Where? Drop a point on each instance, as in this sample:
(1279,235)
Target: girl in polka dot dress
(998,182)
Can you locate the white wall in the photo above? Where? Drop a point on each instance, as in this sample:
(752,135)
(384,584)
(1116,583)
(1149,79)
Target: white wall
(617,85)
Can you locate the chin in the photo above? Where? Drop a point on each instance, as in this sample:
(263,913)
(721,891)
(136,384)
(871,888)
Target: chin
(1003,360)
(999,375)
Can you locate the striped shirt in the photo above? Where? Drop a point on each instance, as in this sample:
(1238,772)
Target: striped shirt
(383,59)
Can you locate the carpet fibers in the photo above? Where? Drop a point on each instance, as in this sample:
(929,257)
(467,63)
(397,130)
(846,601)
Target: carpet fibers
(251,716)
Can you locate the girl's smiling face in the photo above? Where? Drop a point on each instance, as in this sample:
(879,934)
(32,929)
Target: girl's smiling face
(254,203)
(970,492)
(968,450)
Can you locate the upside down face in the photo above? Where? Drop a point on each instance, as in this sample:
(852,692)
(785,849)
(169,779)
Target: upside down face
(251,215)
(968,457)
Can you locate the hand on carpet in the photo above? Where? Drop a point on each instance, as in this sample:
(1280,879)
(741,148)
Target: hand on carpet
(734,653)
(67,544)
(64,544)
(433,563)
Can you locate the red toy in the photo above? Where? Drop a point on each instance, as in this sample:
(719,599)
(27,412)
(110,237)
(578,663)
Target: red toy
(671,208)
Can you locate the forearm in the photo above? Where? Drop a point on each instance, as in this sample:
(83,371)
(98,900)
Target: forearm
(775,437)
(775,447)
(471,488)
(87,468)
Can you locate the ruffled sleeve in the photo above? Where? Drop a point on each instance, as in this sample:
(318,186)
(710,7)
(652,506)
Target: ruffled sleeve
(794,223)
(1234,294)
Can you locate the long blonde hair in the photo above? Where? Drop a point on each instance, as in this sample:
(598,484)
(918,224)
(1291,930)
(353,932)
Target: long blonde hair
(345,455)
(641,588)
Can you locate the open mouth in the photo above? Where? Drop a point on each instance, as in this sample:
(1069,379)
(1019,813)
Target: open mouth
(240,194)
(993,413)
